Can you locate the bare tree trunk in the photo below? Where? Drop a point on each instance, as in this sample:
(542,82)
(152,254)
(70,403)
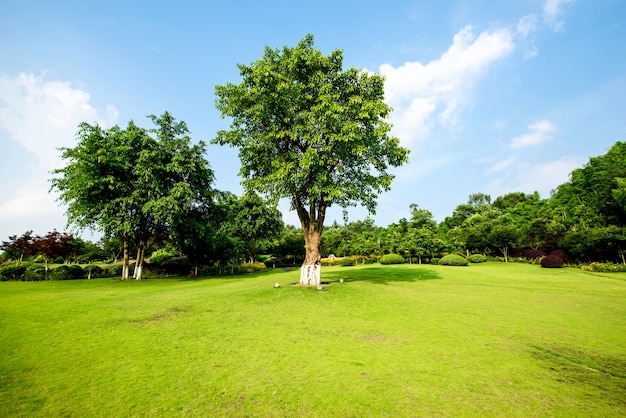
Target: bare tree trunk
(141,251)
(125,263)
(311,268)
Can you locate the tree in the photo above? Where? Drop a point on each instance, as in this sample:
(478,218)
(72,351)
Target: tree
(125,182)
(254,221)
(17,247)
(311,132)
(52,245)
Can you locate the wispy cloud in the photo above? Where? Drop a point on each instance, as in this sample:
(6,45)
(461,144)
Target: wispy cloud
(538,133)
(552,12)
(515,175)
(435,93)
(526,25)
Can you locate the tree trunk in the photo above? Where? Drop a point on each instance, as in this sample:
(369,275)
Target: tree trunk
(141,251)
(310,272)
(125,263)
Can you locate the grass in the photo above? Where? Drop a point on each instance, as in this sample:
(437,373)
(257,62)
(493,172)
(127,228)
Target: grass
(485,340)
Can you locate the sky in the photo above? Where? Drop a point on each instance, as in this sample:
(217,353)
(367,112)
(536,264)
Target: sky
(490,96)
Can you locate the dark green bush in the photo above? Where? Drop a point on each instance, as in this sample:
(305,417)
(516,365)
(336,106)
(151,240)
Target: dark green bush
(115,270)
(35,272)
(453,260)
(434,260)
(95,271)
(477,258)
(346,262)
(67,272)
(12,271)
(552,261)
(391,259)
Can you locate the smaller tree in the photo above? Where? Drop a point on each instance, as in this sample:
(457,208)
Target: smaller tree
(254,221)
(18,247)
(53,245)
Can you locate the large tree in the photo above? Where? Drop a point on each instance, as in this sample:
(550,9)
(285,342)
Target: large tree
(311,132)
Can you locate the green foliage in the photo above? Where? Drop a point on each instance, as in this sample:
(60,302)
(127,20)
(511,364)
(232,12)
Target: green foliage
(160,255)
(604,268)
(453,260)
(477,258)
(35,272)
(552,261)
(12,271)
(434,260)
(346,261)
(309,131)
(234,269)
(67,272)
(391,259)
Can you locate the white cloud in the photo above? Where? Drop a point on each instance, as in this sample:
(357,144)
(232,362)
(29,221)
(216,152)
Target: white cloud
(552,11)
(39,115)
(43,115)
(425,95)
(539,132)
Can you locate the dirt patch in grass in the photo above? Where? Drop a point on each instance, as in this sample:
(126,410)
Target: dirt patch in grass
(159,317)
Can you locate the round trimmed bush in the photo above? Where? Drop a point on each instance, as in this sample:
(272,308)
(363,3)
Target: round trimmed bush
(453,260)
(434,260)
(391,259)
(552,261)
(477,258)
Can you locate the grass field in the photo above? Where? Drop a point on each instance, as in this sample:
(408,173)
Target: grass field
(485,340)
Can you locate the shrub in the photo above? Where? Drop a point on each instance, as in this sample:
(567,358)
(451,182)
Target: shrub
(115,270)
(453,260)
(67,272)
(552,261)
(434,260)
(563,256)
(35,272)
(160,255)
(346,261)
(95,271)
(534,254)
(12,271)
(605,268)
(477,258)
(391,259)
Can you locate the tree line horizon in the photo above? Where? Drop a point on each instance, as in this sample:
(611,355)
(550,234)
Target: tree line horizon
(316,134)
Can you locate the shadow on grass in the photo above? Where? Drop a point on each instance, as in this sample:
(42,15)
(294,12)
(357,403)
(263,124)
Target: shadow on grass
(381,275)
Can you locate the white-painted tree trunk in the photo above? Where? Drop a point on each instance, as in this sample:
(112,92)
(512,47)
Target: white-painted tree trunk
(310,275)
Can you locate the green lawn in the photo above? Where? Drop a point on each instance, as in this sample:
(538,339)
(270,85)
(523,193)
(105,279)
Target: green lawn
(485,340)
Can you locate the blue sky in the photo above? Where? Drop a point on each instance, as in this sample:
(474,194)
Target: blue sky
(491,96)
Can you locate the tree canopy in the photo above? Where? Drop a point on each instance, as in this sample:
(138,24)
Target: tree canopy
(309,131)
(140,184)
